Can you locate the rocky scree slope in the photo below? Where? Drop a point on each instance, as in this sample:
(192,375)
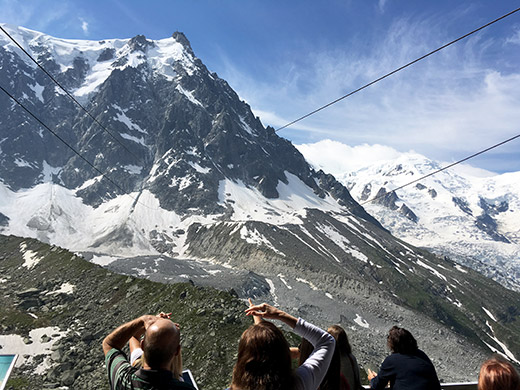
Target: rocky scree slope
(77,319)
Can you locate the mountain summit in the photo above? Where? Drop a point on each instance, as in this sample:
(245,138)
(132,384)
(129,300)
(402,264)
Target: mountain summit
(472,219)
(200,182)
(175,134)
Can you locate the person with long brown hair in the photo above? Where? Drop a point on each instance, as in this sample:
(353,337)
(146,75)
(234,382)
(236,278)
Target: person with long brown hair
(348,364)
(332,379)
(264,358)
(498,374)
(407,367)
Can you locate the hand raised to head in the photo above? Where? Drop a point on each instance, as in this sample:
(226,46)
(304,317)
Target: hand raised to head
(371,374)
(164,315)
(256,319)
(263,310)
(148,320)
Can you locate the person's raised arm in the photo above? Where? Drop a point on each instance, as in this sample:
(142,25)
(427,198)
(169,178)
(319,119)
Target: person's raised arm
(267,311)
(256,319)
(119,337)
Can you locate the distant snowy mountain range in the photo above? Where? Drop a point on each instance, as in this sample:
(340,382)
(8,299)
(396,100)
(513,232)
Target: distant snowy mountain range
(204,188)
(472,218)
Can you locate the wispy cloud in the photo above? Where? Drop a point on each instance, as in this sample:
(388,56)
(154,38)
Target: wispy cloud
(454,103)
(515,37)
(381,5)
(84,26)
(47,16)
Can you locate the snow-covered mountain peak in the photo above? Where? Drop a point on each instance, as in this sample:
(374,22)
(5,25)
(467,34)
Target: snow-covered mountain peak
(94,61)
(469,215)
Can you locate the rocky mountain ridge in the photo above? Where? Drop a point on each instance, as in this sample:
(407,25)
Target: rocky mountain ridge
(214,194)
(473,220)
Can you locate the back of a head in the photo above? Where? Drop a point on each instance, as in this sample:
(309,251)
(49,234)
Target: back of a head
(161,343)
(264,360)
(341,337)
(498,374)
(331,381)
(401,340)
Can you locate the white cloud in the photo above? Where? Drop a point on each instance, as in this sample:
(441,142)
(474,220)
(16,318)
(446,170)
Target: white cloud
(452,104)
(337,158)
(84,26)
(515,38)
(381,5)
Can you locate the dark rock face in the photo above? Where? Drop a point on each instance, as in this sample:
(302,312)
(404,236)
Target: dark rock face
(463,205)
(367,190)
(183,135)
(405,210)
(339,192)
(487,224)
(140,43)
(106,55)
(387,199)
(4,220)
(493,208)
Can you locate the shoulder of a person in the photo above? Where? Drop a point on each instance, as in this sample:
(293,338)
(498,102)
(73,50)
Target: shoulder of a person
(394,358)
(116,356)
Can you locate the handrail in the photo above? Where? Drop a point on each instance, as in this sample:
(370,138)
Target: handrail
(451,386)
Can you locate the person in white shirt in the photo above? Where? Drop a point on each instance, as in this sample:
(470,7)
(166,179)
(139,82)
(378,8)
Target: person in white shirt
(264,358)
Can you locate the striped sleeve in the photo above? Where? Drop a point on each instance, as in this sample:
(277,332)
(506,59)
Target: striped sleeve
(119,369)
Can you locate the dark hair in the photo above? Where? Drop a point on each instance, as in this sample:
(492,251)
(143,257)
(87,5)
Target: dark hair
(401,341)
(341,339)
(498,374)
(331,381)
(264,360)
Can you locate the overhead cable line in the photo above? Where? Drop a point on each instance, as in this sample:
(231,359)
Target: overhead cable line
(68,93)
(442,169)
(396,70)
(104,175)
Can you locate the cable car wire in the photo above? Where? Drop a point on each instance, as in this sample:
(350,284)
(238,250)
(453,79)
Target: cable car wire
(395,71)
(103,174)
(442,169)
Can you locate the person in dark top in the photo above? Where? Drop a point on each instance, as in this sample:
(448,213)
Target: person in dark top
(160,344)
(407,368)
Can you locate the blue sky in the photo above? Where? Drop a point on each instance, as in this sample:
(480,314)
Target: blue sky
(286,58)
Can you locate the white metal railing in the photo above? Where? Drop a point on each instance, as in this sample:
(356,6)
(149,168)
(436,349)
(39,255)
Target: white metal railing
(453,386)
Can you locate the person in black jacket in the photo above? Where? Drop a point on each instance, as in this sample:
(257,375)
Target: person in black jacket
(407,368)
